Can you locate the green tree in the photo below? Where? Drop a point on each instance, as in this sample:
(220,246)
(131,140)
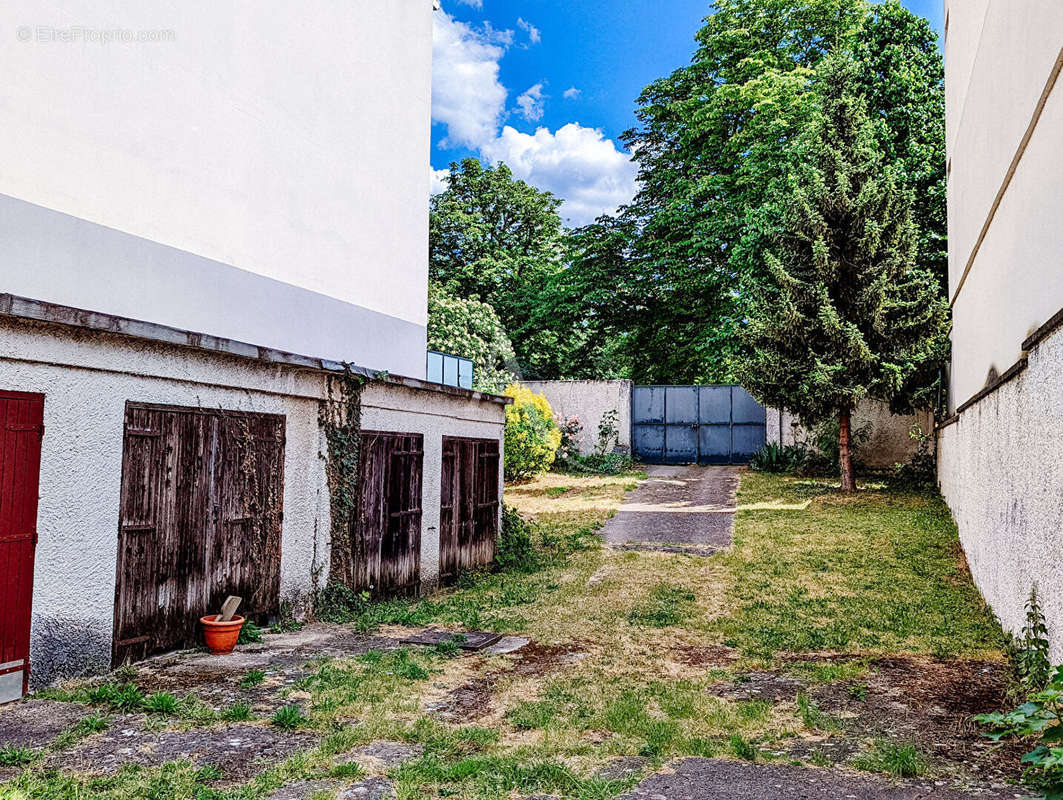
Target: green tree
(902,76)
(471,329)
(498,240)
(845,312)
(713,145)
(587,308)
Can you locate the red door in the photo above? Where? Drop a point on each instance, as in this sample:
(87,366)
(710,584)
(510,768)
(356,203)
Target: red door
(21,430)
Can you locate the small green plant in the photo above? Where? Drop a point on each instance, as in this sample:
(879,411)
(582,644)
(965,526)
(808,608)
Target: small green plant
(351,769)
(1040,718)
(161,703)
(920,471)
(777,458)
(813,717)
(237,712)
(448,648)
(604,464)
(608,432)
(15,756)
(207,773)
(741,748)
(896,758)
(858,691)
(515,550)
(288,717)
(1032,662)
(341,604)
(286,623)
(120,696)
(405,667)
(250,633)
(252,679)
(819,758)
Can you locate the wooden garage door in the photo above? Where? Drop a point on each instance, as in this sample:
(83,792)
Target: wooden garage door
(21,429)
(468,512)
(200,518)
(386,540)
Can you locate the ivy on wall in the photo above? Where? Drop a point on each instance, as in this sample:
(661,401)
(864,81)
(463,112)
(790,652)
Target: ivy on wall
(340,416)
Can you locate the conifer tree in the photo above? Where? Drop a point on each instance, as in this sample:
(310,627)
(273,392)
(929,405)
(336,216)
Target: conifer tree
(845,314)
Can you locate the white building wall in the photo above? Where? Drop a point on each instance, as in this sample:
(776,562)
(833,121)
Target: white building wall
(87,378)
(1002,59)
(998,458)
(270,140)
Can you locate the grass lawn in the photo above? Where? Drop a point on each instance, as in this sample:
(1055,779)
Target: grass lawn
(630,651)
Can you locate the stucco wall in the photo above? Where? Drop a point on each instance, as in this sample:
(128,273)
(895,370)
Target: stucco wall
(589,400)
(287,140)
(890,442)
(391,408)
(87,377)
(1001,473)
(1001,62)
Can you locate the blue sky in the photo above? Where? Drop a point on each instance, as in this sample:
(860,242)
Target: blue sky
(549,85)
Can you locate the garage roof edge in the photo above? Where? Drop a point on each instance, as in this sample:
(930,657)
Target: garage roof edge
(57,314)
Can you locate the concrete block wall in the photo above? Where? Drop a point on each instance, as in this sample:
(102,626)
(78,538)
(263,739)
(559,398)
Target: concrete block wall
(589,400)
(890,442)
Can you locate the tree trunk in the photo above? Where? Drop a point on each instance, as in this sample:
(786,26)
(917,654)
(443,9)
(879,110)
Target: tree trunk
(845,453)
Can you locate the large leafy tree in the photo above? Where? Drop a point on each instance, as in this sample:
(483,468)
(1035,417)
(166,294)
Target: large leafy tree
(713,144)
(471,329)
(845,312)
(496,239)
(588,307)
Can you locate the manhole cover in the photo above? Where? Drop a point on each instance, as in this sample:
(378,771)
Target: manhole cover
(466,640)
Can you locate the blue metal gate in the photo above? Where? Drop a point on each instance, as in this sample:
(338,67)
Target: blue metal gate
(696,424)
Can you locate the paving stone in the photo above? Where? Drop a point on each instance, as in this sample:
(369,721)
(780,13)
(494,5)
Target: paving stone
(304,790)
(369,789)
(771,686)
(239,751)
(507,644)
(470,640)
(623,767)
(383,753)
(712,779)
(36,723)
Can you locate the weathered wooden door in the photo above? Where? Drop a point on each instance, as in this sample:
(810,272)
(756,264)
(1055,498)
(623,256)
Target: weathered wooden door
(200,518)
(21,430)
(386,540)
(468,512)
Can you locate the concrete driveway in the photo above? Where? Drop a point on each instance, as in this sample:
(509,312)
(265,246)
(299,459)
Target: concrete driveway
(678,509)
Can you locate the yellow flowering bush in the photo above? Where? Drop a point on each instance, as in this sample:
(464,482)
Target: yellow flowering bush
(532,435)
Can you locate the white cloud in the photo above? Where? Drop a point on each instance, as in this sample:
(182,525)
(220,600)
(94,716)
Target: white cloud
(467,96)
(572,93)
(577,164)
(438,180)
(534,36)
(532,103)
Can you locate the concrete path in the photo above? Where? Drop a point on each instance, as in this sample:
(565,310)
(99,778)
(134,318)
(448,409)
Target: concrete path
(678,509)
(711,779)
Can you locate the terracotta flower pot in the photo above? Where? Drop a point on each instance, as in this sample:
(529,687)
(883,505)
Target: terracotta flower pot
(221,636)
